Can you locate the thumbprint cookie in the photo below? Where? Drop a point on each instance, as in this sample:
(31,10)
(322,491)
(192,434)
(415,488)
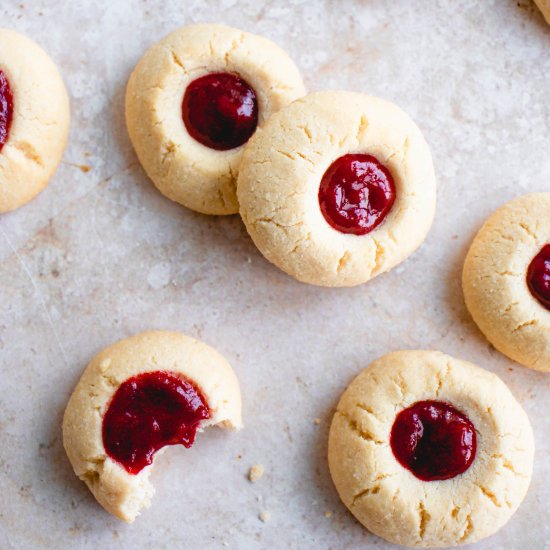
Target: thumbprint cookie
(195,99)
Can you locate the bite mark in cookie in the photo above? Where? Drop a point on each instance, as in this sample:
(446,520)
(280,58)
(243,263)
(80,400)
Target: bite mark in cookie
(148,412)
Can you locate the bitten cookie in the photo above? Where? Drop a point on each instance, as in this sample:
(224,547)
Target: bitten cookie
(337,188)
(34,119)
(134,398)
(194,100)
(506,280)
(544,7)
(429,451)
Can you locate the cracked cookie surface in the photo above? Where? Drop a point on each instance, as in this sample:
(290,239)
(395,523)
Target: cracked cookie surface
(392,502)
(119,492)
(495,285)
(281,171)
(40,122)
(183,169)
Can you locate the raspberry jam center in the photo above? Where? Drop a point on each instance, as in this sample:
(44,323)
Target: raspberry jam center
(433,440)
(148,412)
(356,194)
(6,109)
(538,276)
(220,110)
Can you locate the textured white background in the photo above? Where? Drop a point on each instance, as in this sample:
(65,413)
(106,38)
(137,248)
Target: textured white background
(101,255)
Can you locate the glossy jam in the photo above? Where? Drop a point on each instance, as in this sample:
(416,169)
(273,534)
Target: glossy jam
(538,276)
(433,440)
(220,111)
(148,412)
(356,194)
(6,109)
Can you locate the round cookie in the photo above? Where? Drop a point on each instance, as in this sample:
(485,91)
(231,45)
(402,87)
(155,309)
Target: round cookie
(114,456)
(189,69)
(34,119)
(337,188)
(544,7)
(498,280)
(391,500)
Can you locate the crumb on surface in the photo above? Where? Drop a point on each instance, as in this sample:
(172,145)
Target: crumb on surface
(264,515)
(328,514)
(256,472)
(317,421)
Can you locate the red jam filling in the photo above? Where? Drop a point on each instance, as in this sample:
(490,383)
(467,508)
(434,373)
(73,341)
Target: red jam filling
(356,194)
(220,110)
(538,276)
(6,109)
(148,412)
(433,440)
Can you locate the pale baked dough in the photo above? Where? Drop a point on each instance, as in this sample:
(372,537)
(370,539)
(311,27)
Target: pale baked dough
(495,284)
(119,492)
(40,124)
(279,181)
(544,7)
(183,169)
(388,499)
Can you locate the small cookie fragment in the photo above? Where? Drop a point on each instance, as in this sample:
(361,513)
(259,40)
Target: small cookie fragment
(383,447)
(256,472)
(193,101)
(264,516)
(337,188)
(506,280)
(134,398)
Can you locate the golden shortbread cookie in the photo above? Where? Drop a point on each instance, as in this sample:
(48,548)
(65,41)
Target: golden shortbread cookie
(495,284)
(186,171)
(391,501)
(40,120)
(280,175)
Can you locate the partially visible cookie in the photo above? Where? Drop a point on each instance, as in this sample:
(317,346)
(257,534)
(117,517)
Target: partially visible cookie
(34,119)
(544,7)
(194,100)
(337,188)
(506,280)
(430,451)
(134,398)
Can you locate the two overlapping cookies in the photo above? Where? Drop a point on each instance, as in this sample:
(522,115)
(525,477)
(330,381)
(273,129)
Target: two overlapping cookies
(334,188)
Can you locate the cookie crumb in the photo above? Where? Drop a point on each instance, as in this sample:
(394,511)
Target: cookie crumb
(264,515)
(317,421)
(256,472)
(328,514)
